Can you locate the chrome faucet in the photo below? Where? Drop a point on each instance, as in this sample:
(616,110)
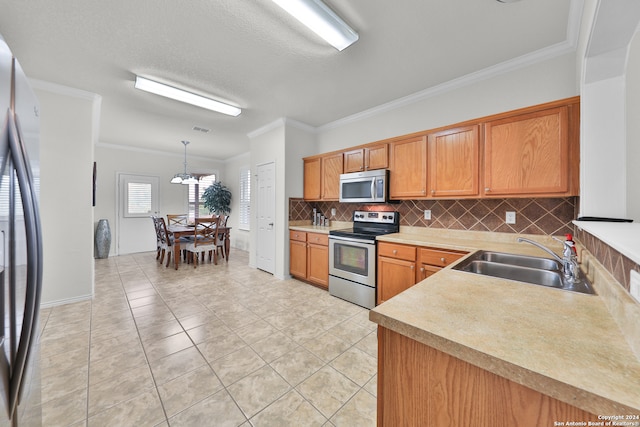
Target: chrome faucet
(569,260)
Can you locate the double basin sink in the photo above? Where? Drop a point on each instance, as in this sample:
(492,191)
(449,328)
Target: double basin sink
(523,268)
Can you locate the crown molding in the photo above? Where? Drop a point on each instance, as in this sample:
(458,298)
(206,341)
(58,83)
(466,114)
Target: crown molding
(478,76)
(64,90)
(150,151)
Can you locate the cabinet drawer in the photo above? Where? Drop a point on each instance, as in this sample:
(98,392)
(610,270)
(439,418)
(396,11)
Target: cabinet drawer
(392,250)
(318,239)
(300,236)
(439,257)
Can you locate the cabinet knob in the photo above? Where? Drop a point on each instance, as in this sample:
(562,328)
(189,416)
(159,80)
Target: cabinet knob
(433,192)
(423,191)
(412,267)
(487,189)
(443,260)
(395,252)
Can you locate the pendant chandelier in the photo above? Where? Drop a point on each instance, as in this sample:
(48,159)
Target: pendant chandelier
(184,178)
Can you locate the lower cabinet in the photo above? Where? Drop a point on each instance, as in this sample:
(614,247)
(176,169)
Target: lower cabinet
(402,266)
(421,386)
(309,257)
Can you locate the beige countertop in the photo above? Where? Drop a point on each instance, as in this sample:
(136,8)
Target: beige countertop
(306,226)
(564,344)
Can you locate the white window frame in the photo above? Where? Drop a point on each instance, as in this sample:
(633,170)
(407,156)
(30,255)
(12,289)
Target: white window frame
(193,207)
(244,214)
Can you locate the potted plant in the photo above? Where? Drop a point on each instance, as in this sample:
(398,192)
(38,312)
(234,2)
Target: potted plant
(217,198)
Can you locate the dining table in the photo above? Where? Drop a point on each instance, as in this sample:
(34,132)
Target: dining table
(179,231)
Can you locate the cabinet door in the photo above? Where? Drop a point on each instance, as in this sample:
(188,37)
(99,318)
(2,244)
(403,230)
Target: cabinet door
(312,178)
(425,271)
(331,170)
(354,161)
(298,259)
(408,168)
(527,154)
(318,264)
(454,162)
(376,157)
(394,276)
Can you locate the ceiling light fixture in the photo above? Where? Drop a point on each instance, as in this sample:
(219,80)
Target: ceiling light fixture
(321,20)
(184,96)
(184,178)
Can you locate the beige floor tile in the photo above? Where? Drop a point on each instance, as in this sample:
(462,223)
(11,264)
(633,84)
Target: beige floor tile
(188,389)
(326,346)
(176,364)
(356,365)
(369,344)
(208,331)
(142,410)
(124,360)
(165,346)
(290,410)
(65,410)
(327,390)
(72,341)
(221,346)
(372,386)
(119,388)
(218,410)
(257,390)
(64,382)
(160,331)
(268,340)
(274,346)
(297,365)
(237,365)
(255,331)
(360,411)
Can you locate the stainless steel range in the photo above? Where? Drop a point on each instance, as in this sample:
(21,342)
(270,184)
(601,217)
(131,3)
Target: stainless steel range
(352,256)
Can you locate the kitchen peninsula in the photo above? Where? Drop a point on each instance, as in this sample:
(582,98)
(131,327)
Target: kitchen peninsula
(465,349)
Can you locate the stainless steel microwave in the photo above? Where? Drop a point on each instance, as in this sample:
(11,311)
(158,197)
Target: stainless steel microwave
(364,187)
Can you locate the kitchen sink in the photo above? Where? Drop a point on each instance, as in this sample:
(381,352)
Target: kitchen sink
(536,276)
(520,260)
(522,268)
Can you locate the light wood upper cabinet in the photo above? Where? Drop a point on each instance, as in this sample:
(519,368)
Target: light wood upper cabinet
(528,154)
(453,162)
(368,158)
(312,178)
(408,168)
(331,169)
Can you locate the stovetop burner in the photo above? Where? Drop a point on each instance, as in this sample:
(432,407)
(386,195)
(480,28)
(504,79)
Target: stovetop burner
(367,225)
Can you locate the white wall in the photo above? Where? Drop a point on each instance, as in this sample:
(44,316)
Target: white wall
(633,129)
(172,198)
(471,98)
(69,122)
(231,178)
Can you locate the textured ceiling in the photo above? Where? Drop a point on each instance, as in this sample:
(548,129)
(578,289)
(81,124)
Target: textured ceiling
(253,55)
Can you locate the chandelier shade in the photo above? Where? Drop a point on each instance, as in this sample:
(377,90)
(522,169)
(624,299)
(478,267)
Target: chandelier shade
(184,177)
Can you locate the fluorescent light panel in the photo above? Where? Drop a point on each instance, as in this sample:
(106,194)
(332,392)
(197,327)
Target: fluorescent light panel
(184,96)
(321,20)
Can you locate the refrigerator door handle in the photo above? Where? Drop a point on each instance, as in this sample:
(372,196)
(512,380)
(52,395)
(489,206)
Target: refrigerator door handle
(34,258)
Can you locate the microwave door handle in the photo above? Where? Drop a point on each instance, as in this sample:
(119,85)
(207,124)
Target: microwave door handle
(373,188)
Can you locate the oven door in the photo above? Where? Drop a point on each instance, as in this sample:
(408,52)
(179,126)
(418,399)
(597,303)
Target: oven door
(353,259)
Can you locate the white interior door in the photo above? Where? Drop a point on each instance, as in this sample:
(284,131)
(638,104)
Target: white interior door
(137,201)
(266,212)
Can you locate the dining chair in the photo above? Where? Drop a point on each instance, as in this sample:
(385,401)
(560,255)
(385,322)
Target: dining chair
(222,236)
(156,226)
(167,242)
(177,219)
(205,236)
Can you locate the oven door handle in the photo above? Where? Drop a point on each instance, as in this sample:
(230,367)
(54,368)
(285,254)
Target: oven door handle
(352,240)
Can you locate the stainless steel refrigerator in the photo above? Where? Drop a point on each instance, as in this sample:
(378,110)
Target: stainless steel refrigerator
(20,246)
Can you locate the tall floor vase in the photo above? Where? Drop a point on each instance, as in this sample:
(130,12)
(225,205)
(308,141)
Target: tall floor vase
(103,239)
